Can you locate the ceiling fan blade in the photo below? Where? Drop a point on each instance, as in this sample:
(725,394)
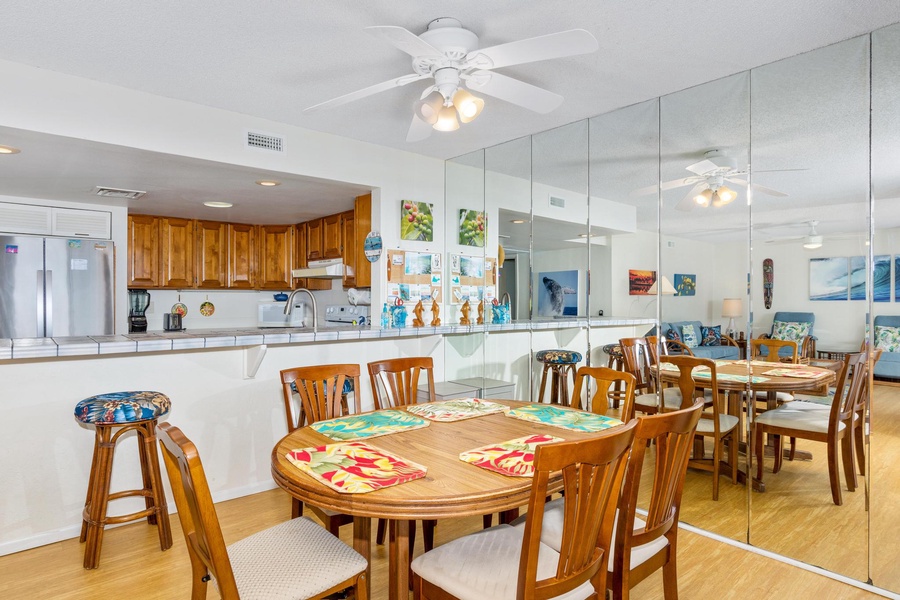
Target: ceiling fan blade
(418,130)
(404,40)
(758,188)
(666,185)
(372,89)
(687,203)
(513,91)
(544,47)
(704,166)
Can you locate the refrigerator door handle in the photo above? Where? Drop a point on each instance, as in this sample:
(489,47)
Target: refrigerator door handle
(48,298)
(39,299)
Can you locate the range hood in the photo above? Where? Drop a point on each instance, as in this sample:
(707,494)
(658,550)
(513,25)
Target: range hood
(324,269)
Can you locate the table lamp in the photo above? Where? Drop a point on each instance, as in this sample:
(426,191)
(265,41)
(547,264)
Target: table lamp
(731,308)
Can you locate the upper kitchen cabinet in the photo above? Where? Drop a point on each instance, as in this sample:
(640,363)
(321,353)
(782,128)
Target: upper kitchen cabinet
(212,254)
(241,256)
(276,257)
(177,247)
(354,251)
(300,262)
(143,251)
(331,237)
(314,240)
(348,250)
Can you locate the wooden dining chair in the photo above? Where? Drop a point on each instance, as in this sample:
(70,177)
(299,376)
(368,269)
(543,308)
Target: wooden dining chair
(714,423)
(395,382)
(607,383)
(639,354)
(321,389)
(511,562)
(294,559)
(832,425)
(643,545)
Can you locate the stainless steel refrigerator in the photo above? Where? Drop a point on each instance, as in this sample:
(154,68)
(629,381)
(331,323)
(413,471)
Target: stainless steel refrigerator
(55,287)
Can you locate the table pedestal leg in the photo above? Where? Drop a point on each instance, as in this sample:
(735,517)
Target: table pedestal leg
(398,559)
(362,543)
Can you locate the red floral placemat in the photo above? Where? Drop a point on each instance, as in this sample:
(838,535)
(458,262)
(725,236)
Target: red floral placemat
(355,467)
(514,458)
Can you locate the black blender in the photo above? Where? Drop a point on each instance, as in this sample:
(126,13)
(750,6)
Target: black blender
(138,301)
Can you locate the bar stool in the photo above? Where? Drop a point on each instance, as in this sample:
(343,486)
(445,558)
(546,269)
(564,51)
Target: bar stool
(560,363)
(112,415)
(616,362)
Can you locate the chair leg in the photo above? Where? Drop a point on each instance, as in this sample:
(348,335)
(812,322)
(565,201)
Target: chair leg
(760,451)
(543,383)
(859,439)
(670,578)
(833,475)
(849,460)
(733,456)
(793,448)
(717,461)
(379,534)
(427,534)
(779,452)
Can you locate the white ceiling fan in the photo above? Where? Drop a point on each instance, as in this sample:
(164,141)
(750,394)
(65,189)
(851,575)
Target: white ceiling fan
(449,55)
(709,182)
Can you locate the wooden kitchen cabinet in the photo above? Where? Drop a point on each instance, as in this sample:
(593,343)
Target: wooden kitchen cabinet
(362,225)
(241,256)
(276,257)
(300,262)
(314,240)
(211,249)
(331,236)
(176,240)
(143,251)
(348,250)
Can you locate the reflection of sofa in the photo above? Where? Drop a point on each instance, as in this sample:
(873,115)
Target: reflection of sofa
(785,326)
(723,351)
(889,364)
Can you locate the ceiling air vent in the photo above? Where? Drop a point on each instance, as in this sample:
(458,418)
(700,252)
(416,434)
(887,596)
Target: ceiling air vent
(264,141)
(557,202)
(108,192)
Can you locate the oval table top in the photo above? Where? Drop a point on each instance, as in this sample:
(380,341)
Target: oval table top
(451,487)
(775,383)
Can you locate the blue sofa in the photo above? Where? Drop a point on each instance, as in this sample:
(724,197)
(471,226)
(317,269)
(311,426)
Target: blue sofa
(725,351)
(889,363)
(806,345)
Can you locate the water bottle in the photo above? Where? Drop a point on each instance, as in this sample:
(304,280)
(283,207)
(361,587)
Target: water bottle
(385,317)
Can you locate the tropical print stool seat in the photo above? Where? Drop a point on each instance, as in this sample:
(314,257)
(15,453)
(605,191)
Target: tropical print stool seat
(122,407)
(112,415)
(559,363)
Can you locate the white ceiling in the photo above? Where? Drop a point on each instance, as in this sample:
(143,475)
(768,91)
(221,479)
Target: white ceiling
(272,59)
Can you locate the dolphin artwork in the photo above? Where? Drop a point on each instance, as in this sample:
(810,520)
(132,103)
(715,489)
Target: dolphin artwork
(556,292)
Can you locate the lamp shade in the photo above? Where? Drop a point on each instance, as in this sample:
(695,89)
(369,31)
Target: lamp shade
(429,107)
(732,307)
(467,105)
(446,120)
(667,288)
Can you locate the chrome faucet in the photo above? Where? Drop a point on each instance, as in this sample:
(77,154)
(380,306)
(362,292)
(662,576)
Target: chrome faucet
(506,299)
(289,307)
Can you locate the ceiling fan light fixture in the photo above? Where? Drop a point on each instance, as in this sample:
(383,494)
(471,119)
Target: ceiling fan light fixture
(446,120)
(429,107)
(812,242)
(704,197)
(467,105)
(722,196)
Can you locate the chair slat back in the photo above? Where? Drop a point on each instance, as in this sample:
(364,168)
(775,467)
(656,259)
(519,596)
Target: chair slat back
(773,349)
(852,376)
(603,379)
(196,510)
(321,390)
(592,470)
(638,355)
(688,387)
(395,382)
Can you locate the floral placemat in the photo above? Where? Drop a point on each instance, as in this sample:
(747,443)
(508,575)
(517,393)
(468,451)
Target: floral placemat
(565,418)
(354,467)
(368,425)
(456,409)
(793,372)
(770,363)
(514,458)
(730,377)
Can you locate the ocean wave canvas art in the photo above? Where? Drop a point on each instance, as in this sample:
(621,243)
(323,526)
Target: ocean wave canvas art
(881,278)
(829,278)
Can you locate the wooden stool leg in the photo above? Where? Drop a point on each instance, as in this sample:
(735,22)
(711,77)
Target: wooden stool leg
(554,384)
(95,512)
(91,483)
(543,383)
(150,456)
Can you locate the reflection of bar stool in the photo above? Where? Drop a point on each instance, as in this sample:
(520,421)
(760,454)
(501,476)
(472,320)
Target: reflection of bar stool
(125,411)
(561,362)
(617,362)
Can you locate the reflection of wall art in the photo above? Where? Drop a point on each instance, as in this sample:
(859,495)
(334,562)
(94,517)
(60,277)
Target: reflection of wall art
(881,279)
(471,266)
(828,278)
(454,263)
(417,264)
(639,282)
(557,293)
(416,221)
(897,278)
(685,285)
(472,227)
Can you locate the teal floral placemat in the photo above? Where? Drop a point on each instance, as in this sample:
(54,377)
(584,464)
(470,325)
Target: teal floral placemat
(381,422)
(730,377)
(564,418)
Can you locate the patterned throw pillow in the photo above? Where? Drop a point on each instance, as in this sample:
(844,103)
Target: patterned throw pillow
(672,334)
(689,336)
(790,330)
(712,336)
(887,338)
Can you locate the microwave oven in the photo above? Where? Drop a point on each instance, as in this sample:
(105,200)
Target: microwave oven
(271,314)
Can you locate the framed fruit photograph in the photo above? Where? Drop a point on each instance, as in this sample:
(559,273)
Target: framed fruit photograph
(416,221)
(472,227)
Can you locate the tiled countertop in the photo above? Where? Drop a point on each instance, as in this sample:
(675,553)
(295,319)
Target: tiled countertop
(226,338)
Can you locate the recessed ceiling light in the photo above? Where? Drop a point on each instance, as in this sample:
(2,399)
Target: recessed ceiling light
(518,221)
(218,204)
(268,183)
(9,150)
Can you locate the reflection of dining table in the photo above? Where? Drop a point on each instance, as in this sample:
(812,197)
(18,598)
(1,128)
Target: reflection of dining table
(451,487)
(758,376)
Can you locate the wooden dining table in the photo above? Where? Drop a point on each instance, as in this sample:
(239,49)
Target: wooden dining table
(451,487)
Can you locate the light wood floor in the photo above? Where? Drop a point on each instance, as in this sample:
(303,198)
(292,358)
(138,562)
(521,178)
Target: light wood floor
(133,567)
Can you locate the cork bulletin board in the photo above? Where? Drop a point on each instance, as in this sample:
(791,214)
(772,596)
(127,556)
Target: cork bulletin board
(414,276)
(472,278)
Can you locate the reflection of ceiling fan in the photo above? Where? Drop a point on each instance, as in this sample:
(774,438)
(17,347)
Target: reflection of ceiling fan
(708,181)
(811,240)
(449,55)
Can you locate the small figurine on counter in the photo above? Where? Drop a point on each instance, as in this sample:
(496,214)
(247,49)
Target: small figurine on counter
(464,317)
(480,320)
(417,311)
(435,314)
